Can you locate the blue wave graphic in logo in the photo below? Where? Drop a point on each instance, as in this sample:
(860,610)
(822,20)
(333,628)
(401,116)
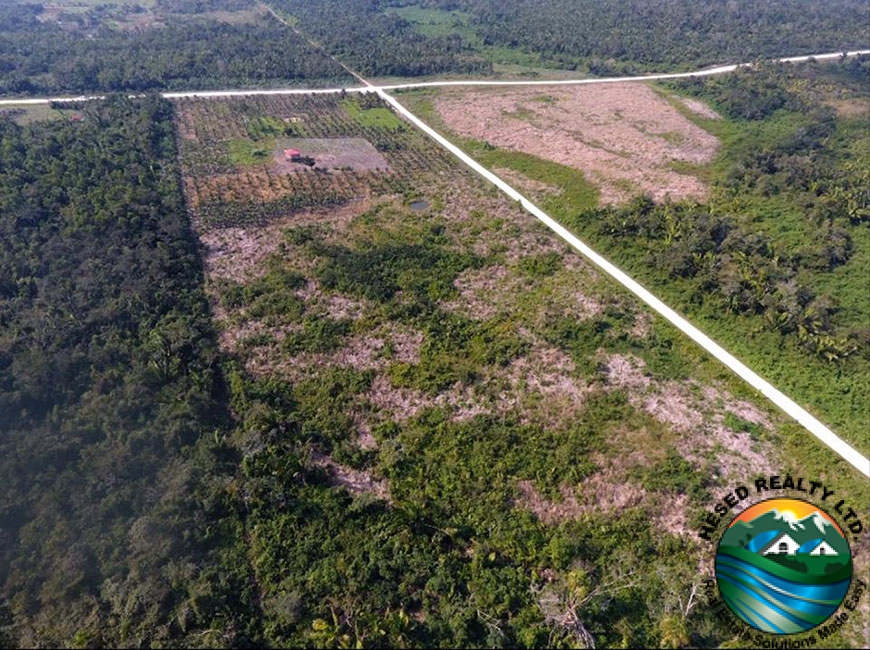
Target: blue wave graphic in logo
(773,604)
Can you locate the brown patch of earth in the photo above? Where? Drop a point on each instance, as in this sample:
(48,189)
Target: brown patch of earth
(400,404)
(336,306)
(700,108)
(549,371)
(850,107)
(237,253)
(372,351)
(364,438)
(232,335)
(742,409)
(623,136)
(695,413)
(605,492)
(540,387)
(357,154)
(353,480)
(642,324)
(483,292)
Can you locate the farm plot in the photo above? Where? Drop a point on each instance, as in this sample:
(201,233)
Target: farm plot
(235,172)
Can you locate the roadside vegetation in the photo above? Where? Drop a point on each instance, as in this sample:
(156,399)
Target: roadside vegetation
(776,264)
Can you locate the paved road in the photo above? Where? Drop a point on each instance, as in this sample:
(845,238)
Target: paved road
(367,87)
(650,77)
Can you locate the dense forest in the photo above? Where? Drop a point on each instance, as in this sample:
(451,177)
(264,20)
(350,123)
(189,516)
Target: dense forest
(110,395)
(233,43)
(382,44)
(85,53)
(615,37)
(605,38)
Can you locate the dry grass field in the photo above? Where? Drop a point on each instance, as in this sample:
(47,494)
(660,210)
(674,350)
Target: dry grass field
(624,137)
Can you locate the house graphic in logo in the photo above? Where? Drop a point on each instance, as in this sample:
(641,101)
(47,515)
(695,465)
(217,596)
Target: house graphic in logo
(784,544)
(783,566)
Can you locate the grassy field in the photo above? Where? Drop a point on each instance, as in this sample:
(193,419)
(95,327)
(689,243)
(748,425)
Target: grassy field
(375,116)
(27,113)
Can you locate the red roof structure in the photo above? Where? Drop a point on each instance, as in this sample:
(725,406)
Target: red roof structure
(290,154)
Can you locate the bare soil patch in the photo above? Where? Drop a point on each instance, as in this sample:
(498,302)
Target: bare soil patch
(694,416)
(608,491)
(372,351)
(482,292)
(549,371)
(237,253)
(353,480)
(850,107)
(400,404)
(623,136)
(357,154)
(700,108)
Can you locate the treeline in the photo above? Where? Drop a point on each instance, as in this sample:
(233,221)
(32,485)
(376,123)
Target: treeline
(374,43)
(758,92)
(42,58)
(113,518)
(200,6)
(613,36)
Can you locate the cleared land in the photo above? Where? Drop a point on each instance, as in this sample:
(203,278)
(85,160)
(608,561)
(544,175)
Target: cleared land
(518,299)
(624,137)
(836,398)
(461,354)
(357,154)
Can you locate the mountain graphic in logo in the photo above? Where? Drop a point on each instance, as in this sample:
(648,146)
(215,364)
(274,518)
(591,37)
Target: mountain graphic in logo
(783,566)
